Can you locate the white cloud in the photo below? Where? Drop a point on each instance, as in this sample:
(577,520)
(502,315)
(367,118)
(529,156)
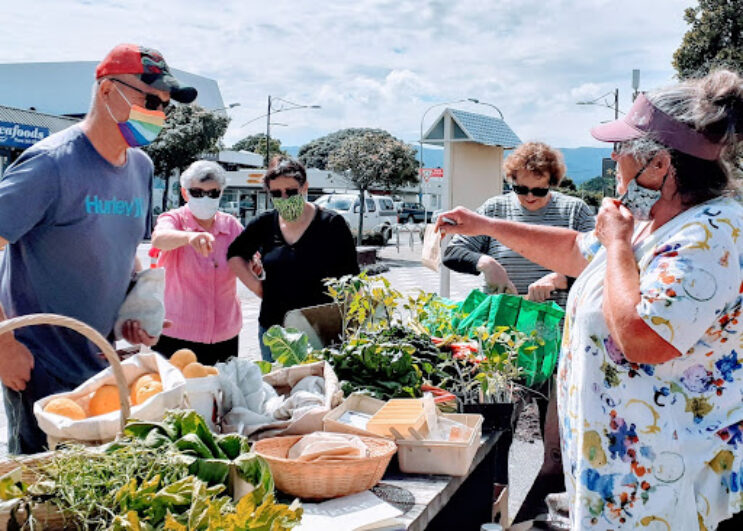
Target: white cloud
(378,63)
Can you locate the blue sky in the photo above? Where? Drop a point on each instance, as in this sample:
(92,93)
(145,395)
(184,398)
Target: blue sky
(378,63)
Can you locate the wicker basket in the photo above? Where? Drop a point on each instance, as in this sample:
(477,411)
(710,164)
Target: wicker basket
(325,479)
(48,514)
(89,333)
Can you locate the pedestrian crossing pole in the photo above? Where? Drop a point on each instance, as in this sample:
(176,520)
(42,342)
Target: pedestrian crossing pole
(447,204)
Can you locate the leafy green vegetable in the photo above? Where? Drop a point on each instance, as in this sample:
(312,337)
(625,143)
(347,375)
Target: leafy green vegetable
(213,471)
(288,346)
(190,443)
(265,366)
(11,486)
(191,505)
(233,444)
(390,363)
(255,470)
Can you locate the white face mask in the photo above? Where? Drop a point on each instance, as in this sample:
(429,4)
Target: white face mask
(203,207)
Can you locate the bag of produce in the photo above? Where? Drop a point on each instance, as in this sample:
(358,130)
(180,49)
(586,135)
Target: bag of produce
(91,412)
(431,253)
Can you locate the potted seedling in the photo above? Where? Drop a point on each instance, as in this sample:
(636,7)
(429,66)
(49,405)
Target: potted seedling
(491,375)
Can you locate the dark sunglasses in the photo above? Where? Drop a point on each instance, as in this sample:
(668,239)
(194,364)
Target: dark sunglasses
(525,190)
(152,102)
(214,193)
(290,192)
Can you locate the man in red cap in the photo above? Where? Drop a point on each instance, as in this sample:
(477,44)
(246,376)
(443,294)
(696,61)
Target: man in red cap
(73,209)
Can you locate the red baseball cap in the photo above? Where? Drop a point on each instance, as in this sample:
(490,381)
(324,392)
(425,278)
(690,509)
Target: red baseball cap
(148,64)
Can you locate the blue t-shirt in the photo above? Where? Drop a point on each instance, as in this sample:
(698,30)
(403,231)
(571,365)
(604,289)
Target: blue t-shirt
(73,221)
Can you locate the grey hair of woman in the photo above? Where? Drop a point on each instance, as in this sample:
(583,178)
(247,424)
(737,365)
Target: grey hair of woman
(203,171)
(713,106)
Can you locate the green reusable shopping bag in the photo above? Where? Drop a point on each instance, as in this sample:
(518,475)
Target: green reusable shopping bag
(492,311)
(544,317)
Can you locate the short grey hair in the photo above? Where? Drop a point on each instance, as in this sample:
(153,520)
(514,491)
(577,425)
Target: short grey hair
(203,171)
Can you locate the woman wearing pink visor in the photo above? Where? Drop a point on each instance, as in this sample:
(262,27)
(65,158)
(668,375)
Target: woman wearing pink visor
(650,383)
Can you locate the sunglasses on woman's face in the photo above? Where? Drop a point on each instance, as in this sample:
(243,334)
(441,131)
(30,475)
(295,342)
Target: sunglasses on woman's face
(196,193)
(525,190)
(290,192)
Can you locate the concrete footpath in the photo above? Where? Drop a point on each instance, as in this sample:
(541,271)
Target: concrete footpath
(407,275)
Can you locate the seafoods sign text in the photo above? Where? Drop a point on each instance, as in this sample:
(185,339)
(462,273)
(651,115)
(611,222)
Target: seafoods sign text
(21,135)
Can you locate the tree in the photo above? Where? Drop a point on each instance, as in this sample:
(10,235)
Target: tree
(315,154)
(714,39)
(567,183)
(374,160)
(189,132)
(590,198)
(257,144)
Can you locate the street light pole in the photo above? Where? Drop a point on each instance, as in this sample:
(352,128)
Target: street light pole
(286,106)
(604,103)
(268,133)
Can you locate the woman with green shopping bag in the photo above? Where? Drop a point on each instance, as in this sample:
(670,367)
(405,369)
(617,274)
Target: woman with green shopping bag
(650,379)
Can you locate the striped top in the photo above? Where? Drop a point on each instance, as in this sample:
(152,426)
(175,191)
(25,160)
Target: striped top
(562,210)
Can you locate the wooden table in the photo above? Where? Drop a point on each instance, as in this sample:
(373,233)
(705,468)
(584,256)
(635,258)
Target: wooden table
(445,502)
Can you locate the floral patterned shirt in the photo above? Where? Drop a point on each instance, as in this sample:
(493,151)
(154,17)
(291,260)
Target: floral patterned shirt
(659,446)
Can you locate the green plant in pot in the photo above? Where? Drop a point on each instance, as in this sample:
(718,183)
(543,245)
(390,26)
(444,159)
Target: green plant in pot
(496,386)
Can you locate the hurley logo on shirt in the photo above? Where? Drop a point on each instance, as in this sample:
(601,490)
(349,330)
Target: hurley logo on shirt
(115,207)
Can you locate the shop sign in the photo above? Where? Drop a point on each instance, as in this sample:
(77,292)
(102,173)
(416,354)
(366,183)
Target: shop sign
(428,173)
(21,135)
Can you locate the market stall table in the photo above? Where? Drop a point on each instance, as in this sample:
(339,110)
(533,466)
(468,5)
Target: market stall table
(446,502)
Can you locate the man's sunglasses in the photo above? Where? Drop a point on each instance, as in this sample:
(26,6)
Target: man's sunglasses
(525,190)
(214,193)
(152,102)
(290,192)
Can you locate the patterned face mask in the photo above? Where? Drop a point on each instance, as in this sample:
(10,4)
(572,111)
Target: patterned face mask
(289,208)
(640,200)
(142,125)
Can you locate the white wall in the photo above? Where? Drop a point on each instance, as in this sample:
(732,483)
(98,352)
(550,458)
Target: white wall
(65,88)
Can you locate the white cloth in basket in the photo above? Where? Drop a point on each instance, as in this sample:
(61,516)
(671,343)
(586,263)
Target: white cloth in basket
(324,446)
(252,406)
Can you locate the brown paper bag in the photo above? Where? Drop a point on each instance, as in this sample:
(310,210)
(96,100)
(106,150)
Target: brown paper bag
(431,254)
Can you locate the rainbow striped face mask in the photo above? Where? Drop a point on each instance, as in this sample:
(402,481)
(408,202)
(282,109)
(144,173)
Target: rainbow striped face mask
(142,126)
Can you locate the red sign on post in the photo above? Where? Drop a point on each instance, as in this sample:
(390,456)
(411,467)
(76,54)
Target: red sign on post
(428,173)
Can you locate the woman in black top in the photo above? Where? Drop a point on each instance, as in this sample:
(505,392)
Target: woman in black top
(300,244)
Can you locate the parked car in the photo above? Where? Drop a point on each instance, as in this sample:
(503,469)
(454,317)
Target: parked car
(379,213)
(413,213)
(230,207)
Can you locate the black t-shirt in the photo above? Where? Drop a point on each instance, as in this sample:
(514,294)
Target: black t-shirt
(295,273)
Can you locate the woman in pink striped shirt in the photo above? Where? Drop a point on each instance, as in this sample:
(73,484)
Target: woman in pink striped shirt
(200,289)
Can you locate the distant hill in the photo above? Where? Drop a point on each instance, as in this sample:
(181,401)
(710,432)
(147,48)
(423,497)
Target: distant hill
(584,163)
(292,150)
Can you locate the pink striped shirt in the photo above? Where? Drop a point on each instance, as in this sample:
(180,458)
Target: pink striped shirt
(200,292)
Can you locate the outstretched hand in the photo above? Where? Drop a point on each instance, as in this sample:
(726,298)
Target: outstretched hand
(466,222)
(202,242)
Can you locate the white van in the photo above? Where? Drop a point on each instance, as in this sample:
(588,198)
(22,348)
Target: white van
(379,214)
